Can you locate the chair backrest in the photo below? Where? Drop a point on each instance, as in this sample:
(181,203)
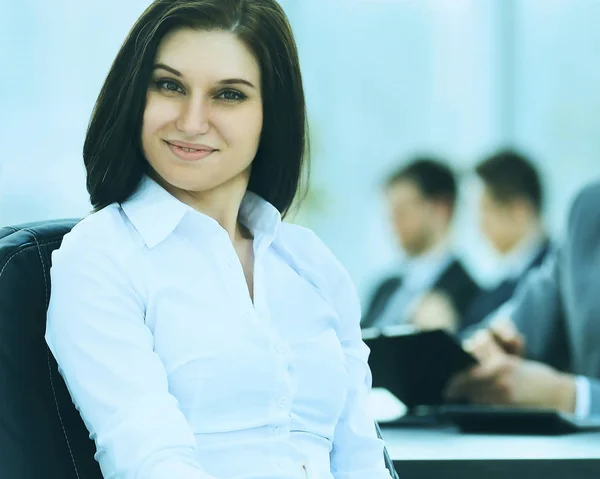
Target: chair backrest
(389,463)
(41,431)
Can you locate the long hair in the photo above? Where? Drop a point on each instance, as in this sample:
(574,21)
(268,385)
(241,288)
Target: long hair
(112,151)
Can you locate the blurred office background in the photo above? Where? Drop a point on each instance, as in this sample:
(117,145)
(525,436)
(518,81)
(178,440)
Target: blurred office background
(384,79)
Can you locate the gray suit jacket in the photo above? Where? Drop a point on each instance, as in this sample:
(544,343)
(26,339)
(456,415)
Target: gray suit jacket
(558,307)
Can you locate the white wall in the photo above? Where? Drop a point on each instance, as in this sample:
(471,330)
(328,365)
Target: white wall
(384,79)
(558,94)
(440,76)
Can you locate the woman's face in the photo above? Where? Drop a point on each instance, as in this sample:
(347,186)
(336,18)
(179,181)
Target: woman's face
(203,115)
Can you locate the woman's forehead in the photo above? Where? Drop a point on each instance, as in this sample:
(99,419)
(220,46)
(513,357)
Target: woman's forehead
(201,53)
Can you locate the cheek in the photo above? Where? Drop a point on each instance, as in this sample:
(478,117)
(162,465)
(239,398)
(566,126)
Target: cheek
(258,126)
(490,227)
(411,226)
(158,114)
(243,129)
(496,229)
(485,223)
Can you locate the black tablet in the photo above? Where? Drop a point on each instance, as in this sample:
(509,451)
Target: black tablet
(415,366)
(513,420)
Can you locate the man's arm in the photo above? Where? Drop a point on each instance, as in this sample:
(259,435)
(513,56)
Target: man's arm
(594,404)
(537,312)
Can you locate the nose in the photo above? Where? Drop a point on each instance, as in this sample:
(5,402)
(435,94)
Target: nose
(194,117)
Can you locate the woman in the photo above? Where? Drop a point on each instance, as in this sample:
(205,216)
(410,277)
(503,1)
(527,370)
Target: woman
(201,337)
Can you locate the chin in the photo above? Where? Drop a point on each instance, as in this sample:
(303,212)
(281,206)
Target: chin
(197,185)
(183,181)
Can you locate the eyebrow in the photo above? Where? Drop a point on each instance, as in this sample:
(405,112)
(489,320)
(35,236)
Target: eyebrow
(228,81)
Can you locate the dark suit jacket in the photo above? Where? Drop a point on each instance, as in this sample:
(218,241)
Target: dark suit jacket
(490,300)
(454,281)
(557,309)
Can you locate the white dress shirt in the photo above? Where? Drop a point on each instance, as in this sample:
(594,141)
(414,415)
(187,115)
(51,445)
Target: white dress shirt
(179,375)
(516,262)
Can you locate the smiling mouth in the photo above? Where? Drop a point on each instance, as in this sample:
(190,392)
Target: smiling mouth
(189,154)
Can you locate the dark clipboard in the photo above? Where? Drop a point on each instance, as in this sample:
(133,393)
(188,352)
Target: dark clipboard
(413,365)
(515,420)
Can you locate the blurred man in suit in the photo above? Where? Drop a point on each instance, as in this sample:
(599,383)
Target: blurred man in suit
(546,353)
(511,207)
(421,199)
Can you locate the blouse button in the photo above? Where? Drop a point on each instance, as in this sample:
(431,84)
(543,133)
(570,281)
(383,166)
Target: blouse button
(281,348)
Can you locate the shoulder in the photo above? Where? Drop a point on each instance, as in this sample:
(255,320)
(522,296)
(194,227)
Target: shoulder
(589,193)
(98,256)
(584,218)
(586,202)
(308,249)
(97,236)
(303,241)
(313,259)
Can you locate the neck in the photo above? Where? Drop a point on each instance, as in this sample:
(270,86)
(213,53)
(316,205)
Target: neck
(222,203)
(435,243)
(439,238)
(530,234)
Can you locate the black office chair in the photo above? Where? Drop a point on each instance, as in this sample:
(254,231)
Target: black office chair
(42,434)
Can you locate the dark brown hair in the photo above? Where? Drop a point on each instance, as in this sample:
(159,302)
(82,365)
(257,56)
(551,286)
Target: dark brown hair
(510,175)
(434,178)
(112,150)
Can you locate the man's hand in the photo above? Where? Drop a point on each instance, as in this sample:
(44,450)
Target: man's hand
(435,310)
(502,378)
(506,334)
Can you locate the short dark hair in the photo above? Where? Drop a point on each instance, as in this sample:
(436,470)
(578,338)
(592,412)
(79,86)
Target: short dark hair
(510,175)
(112,151)
(434,178)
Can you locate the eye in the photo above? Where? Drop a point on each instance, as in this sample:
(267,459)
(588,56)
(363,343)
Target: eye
(231,96)
(168,85)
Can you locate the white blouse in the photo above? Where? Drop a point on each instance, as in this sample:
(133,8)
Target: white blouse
(179,375)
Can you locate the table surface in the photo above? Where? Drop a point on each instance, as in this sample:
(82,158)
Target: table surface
(413,444)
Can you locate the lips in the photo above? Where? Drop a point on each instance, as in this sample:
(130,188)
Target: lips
(189,151)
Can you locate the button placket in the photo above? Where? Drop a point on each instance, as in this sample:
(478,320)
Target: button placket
(283,353)
(229,267)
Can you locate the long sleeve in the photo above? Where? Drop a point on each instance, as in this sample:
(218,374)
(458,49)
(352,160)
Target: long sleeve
(537,311)
(583,397)
(594,397)
(357,451)
(104,350)
(588,397)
